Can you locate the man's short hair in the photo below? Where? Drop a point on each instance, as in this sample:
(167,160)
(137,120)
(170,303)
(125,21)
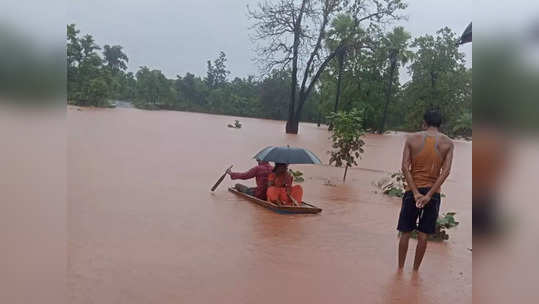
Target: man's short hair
(433,118)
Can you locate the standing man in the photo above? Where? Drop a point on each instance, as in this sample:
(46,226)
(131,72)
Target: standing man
(260,173)
(426,163)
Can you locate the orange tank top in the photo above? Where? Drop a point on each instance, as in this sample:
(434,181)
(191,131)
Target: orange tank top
(427,164)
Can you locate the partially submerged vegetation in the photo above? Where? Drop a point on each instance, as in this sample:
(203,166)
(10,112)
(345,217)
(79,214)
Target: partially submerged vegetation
(394,185)
(445,221)
(236,125)
(298,176)
(346,137)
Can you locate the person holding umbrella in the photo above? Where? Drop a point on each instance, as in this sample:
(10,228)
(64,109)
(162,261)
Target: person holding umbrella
(280,189)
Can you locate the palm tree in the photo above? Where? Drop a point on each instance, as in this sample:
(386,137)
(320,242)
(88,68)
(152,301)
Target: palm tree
(344,31)
(395,47)
(115,58)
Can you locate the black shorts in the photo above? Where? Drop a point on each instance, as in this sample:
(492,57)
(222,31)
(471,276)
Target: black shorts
(408,218)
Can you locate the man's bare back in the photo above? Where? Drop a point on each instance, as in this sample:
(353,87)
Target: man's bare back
(417,140)
(426,163)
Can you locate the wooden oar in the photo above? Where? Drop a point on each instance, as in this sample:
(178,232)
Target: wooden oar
(220,179)
(293,200)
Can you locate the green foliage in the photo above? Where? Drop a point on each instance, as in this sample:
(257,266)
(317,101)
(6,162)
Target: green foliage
(297,175)
(97,92)
(439,81)
(115,58)
(368,72)
(217,72)
(89,83)
(299,45)
(367,78)
(394,185)
(153,89)
(346,137)
(371,63)
(463,125)
(443,223)
(274,95)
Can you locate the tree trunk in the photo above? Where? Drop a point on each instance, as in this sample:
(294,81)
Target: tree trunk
(292,126)
(388,93)
(339,81)
(319,113)
(345,171)
(290,129)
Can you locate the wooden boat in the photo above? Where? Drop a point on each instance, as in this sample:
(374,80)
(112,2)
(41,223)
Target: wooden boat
(304,208)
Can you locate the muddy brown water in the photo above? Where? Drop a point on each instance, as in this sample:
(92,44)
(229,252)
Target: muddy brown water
(143,226)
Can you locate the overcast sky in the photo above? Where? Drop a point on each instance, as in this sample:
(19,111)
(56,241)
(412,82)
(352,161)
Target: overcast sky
(179,36)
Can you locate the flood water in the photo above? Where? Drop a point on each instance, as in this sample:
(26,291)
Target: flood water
(143,226)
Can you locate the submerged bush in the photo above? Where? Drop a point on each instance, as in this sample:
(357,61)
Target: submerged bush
(445,221)
(394,185)
(236,125)
(298,176)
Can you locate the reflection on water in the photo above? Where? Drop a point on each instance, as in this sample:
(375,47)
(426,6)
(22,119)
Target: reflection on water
(144,226)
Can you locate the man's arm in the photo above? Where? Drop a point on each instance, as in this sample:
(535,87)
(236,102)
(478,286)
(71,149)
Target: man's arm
(406,163)
(245,175)
(446,169)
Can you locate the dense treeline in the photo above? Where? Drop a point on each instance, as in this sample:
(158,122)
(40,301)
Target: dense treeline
(97,79)
(370,81)
(367,79)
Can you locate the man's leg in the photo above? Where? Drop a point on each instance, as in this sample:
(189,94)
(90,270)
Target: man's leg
(420,249)
(427,225)
(403,248)
(241,188)
(407,223)
(251,191)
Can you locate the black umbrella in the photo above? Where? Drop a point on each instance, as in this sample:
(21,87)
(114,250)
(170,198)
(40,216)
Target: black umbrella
(467,35)
(287,155)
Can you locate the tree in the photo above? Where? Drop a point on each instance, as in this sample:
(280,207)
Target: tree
(74,48)
(153,88)
(115,58)
(88,46)
(439,80)
(74,57)
(343,32)
(463,125)
(97,92)
(395,44)
(274,94)
(192,92)
(295,32)
(217,73)
(87,82)
(90,91)
(346,137)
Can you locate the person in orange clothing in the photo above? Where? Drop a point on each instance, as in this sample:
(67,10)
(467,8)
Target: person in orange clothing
(280,189)
(426,163)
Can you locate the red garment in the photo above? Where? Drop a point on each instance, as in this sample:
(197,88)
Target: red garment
(259,172)
(281,184)
(281,181)
(280,194)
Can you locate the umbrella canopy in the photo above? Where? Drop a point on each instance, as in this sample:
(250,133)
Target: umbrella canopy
(287,155)
(467,35)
